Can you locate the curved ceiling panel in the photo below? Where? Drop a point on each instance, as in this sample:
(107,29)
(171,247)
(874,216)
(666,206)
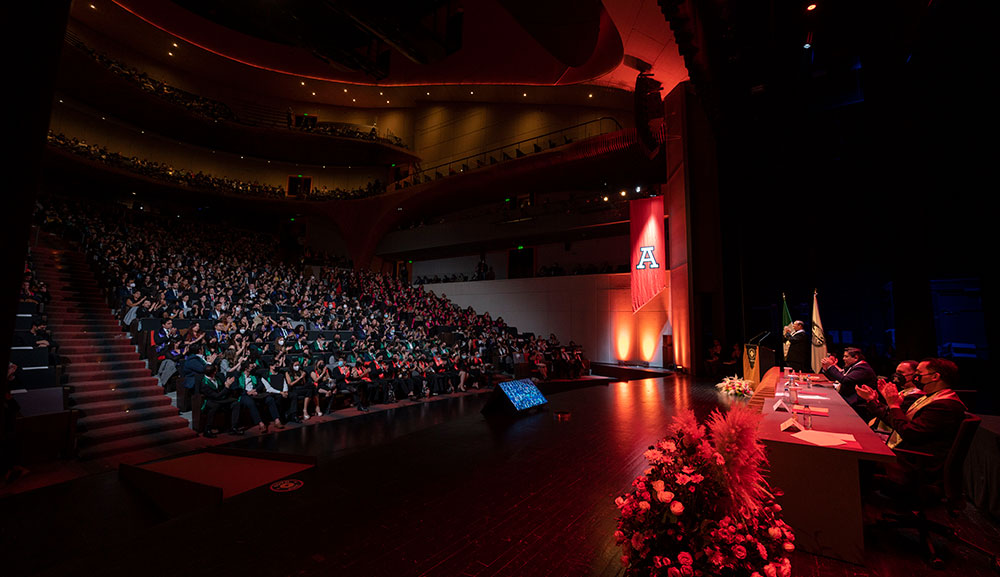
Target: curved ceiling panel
(483,42)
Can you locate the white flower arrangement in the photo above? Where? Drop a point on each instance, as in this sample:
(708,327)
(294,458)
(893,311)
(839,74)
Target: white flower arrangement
(736,386)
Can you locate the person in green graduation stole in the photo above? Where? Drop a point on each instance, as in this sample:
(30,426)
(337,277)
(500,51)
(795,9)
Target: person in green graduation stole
(260,393)
(216,395)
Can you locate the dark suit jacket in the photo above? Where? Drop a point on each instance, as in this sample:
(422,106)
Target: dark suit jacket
(211,390)
(192,371)
(860,373)
(798,351)
(931,429)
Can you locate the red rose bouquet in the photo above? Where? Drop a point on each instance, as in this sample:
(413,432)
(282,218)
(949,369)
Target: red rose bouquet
(703,507)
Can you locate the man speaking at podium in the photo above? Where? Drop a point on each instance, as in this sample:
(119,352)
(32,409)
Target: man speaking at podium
(798,347)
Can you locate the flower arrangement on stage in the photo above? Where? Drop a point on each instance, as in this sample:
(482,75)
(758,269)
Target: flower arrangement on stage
(702,508)
(736,386)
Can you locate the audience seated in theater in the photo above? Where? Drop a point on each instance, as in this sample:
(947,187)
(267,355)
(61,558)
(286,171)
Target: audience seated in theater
(403,341)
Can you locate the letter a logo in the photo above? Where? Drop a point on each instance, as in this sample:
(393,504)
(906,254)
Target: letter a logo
(646,256)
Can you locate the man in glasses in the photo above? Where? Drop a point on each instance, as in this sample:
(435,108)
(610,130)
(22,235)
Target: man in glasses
(909,391)
(929,424)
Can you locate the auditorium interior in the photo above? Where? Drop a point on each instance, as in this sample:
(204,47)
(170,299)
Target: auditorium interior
(471,169)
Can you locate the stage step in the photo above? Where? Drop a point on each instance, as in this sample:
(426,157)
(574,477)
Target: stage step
(101,357)
(70,326)
(111,419)
(132,429)
(109,339)
(123,408)
(137,442)
(120,394)
(104,375)
(112,385)
(100,350)
(121,405)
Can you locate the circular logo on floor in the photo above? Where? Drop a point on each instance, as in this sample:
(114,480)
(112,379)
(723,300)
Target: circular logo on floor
(286,485)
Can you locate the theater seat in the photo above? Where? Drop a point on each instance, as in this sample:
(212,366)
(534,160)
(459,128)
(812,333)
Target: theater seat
(940,495)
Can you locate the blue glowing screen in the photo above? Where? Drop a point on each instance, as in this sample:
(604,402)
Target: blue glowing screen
(524,394)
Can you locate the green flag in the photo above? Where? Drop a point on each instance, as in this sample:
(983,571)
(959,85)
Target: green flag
(786,317)
(786,320)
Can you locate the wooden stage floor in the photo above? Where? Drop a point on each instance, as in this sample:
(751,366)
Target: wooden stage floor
(431,489)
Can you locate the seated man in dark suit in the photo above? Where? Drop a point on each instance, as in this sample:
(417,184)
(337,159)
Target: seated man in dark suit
(856,372)
(928,425)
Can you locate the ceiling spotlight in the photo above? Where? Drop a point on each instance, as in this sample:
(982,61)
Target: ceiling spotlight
(605,199)
(811,7)
(622,193)
(638,189)
(170,53)
(807,46)
(387,102)
(525,94)
(175,45)
(590,95)
(428,94)
(345,90)
(92,7)
(380,93)
(314,94)
(354,100)
(471,92)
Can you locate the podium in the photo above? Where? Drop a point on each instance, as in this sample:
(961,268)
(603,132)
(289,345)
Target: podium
(757,359)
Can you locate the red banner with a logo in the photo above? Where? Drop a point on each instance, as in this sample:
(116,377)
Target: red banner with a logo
(649,252)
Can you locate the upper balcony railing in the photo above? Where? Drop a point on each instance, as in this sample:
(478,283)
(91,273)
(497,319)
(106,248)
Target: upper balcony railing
(534,145)
(238,111)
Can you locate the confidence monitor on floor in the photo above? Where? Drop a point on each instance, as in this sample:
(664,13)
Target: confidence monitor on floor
(514,398)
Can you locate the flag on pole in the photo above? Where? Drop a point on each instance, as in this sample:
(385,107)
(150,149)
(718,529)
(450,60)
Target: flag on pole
(786,319)
(649,251)
(818,337)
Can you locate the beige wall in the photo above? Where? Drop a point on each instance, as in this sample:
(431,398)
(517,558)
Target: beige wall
(448,132)
(593,310)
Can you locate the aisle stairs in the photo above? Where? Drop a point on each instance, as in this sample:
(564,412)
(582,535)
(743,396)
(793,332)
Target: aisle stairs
(123,408)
